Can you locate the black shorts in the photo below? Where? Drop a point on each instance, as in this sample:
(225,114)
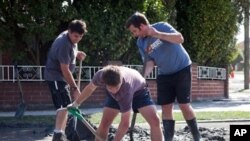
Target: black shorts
(141,99)
(60,93)
(174,86)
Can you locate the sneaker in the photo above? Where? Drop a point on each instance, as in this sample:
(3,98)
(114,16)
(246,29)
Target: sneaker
(59,137)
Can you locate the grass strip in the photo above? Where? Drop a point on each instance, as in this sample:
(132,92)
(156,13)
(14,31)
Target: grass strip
(28,121)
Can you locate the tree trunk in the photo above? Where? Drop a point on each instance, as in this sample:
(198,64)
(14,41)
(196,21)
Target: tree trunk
(1,57)
(1,63)
(246,47)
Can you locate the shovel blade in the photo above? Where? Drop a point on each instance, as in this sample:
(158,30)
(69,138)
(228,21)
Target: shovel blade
(20,110)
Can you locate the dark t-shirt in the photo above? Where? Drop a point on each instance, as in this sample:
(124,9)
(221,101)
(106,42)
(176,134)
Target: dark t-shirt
(132,81)
(62,52)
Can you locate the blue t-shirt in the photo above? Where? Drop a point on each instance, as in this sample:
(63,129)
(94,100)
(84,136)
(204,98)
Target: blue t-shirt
(62,51)
(169,57)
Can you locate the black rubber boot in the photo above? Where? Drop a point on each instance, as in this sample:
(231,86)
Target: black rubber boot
(192,124)
(168,129)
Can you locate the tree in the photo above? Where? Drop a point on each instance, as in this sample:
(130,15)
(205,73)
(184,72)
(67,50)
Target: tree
(246,45)
(33,25)
(243,5)
(209,28)
(107,39)
(28,26)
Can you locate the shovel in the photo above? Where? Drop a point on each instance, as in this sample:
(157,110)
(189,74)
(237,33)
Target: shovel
(77,113)
(135,114)
(21,108)
(79,76)
(79,87)
(132,126)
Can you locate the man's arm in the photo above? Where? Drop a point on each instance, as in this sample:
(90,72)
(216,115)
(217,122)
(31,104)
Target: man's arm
(149,66)
(86,92)
(176,38)
(68,75)
(123,126)
(70,80)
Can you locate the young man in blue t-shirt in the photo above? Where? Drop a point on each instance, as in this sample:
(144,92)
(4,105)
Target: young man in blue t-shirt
(161,45)
(60,64)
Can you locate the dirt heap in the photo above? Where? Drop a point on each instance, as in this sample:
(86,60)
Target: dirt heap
(142,134)
(182,134)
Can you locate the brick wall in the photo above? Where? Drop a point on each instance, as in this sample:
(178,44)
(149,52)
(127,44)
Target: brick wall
(37,95)
(207,89)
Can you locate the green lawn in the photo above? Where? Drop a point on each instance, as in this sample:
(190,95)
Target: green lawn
(95,118)
(226,115)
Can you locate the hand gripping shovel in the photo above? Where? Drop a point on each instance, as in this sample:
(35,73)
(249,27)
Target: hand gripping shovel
(77,113)
(21,108)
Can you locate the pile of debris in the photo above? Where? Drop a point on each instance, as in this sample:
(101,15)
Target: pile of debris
(143,134)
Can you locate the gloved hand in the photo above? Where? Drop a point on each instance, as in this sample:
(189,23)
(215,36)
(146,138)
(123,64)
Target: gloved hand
(74,110)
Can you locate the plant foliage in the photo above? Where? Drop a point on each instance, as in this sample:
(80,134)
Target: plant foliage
(209,28)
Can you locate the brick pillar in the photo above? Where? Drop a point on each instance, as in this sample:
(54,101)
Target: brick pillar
(226,84)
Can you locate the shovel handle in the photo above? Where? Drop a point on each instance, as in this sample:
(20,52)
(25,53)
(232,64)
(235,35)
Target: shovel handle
(79,75)
(19,83)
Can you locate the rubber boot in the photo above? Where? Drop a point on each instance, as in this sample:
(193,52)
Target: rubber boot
(192,124)
(168,126)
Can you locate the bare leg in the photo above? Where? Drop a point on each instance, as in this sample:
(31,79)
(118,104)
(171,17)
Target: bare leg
(107,118)
(61,119)
(151,116)
(187,111)
(189,116)
(167,111)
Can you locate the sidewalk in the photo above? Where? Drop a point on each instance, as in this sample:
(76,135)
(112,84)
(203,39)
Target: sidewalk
(238,101)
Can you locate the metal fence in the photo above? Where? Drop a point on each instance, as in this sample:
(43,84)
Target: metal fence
(211,73)
(36,73)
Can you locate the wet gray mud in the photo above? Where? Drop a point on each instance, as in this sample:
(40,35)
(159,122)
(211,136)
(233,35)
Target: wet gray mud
(208,134)
(140,133)
(181,134)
